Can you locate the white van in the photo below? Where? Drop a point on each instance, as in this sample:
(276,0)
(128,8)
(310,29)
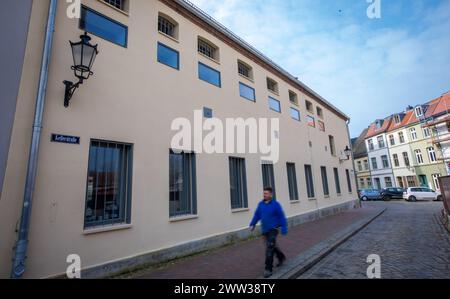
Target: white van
(421,193)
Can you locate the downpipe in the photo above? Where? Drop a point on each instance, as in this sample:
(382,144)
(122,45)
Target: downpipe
(359,204)
(20,249)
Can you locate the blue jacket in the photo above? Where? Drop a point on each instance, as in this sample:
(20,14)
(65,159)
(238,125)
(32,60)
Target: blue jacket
(271,216)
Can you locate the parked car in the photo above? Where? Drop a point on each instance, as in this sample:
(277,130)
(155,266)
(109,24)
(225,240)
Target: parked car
(421,193)
(392,193)
(370,194)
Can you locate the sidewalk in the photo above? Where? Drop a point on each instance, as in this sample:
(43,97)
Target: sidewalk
(245,260)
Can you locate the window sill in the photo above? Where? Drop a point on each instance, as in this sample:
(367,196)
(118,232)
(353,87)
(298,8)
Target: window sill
(209,58)
(235,211)
(104,229)
(169,37)
(294,202)
(339,194)
(327,196)
(274,92)
(183,218)
(247,78)
(115,8)
(312,199)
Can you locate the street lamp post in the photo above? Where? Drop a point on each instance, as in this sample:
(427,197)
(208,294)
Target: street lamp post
(84,54)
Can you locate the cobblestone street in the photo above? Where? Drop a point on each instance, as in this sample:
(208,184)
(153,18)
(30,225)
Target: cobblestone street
(408,237)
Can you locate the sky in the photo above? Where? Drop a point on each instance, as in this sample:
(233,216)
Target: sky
(368,68)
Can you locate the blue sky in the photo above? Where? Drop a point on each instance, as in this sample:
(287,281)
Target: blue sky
(369,68)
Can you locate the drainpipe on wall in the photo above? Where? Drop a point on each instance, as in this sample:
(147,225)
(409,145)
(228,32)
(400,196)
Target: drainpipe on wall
(20,250)
(353,162)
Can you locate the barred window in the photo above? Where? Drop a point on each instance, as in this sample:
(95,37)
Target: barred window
(207,49)
(272,85)
(245,70)
(238,183)
(108,190)
(167,27)
(116,3)
(182,184)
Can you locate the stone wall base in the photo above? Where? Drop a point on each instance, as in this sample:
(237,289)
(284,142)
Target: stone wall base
(198,246)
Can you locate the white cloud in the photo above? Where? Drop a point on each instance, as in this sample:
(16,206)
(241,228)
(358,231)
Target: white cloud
(368,68)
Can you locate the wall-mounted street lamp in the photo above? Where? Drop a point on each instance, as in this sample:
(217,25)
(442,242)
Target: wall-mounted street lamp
(84,54)
(347,154)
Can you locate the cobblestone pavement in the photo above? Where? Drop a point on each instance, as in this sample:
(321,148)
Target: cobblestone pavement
(408,237)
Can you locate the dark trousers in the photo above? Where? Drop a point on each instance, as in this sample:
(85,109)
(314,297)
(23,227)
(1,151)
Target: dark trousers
(272,249)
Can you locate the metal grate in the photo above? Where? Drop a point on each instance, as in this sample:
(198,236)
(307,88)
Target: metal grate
(166,27)
(244,70)
(206,49)
(108,191)
(238,183)
(116,3)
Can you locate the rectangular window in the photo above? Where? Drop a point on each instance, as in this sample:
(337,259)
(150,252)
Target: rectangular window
(406,159)
(309,106)
(292,181)
(319,112)
(360,168)
(326,189)
(293,98)
(401,137)
(337,181)
(435,178)
(208,74)
(295,114)
(103,27)
(426,132)
(309,181)
(392,140)
(108,191)
(272,85)
(385,161)
(274,105)
(419,157)
(167,27)
(207,49)
(311,121)
(388,182)
(245,70)
(168,56)
(182,184)
(238,183)
(374,164)
(332,145)
(432,154)
(247,92)
(413,134)
(370,145)
(366,164)
(268,177)
(396,161)
(380,140)
(349,181)
(116,3)
(321,125)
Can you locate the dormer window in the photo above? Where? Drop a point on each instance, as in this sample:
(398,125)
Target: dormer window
(167,26)
(397,119)
(208,49)
(419,111)
(378,124)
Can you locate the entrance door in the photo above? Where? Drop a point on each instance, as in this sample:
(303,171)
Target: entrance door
(423,181)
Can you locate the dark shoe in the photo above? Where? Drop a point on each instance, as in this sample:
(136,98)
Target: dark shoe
(281,262)
(267,274)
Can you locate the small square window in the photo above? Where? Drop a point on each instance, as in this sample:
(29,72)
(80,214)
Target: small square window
(309,106)
(167,26)
(295,114)
(319,112)
(245,70)
(293,98)
(208,49)
(272,85)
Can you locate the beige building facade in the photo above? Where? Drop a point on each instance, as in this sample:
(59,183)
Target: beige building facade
(124,114)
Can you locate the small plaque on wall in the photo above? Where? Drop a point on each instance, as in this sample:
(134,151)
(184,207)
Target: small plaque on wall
(65,139)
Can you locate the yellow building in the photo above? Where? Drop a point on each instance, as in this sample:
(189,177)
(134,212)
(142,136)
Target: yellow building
(109,184)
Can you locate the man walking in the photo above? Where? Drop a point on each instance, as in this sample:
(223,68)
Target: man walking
(272,217)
